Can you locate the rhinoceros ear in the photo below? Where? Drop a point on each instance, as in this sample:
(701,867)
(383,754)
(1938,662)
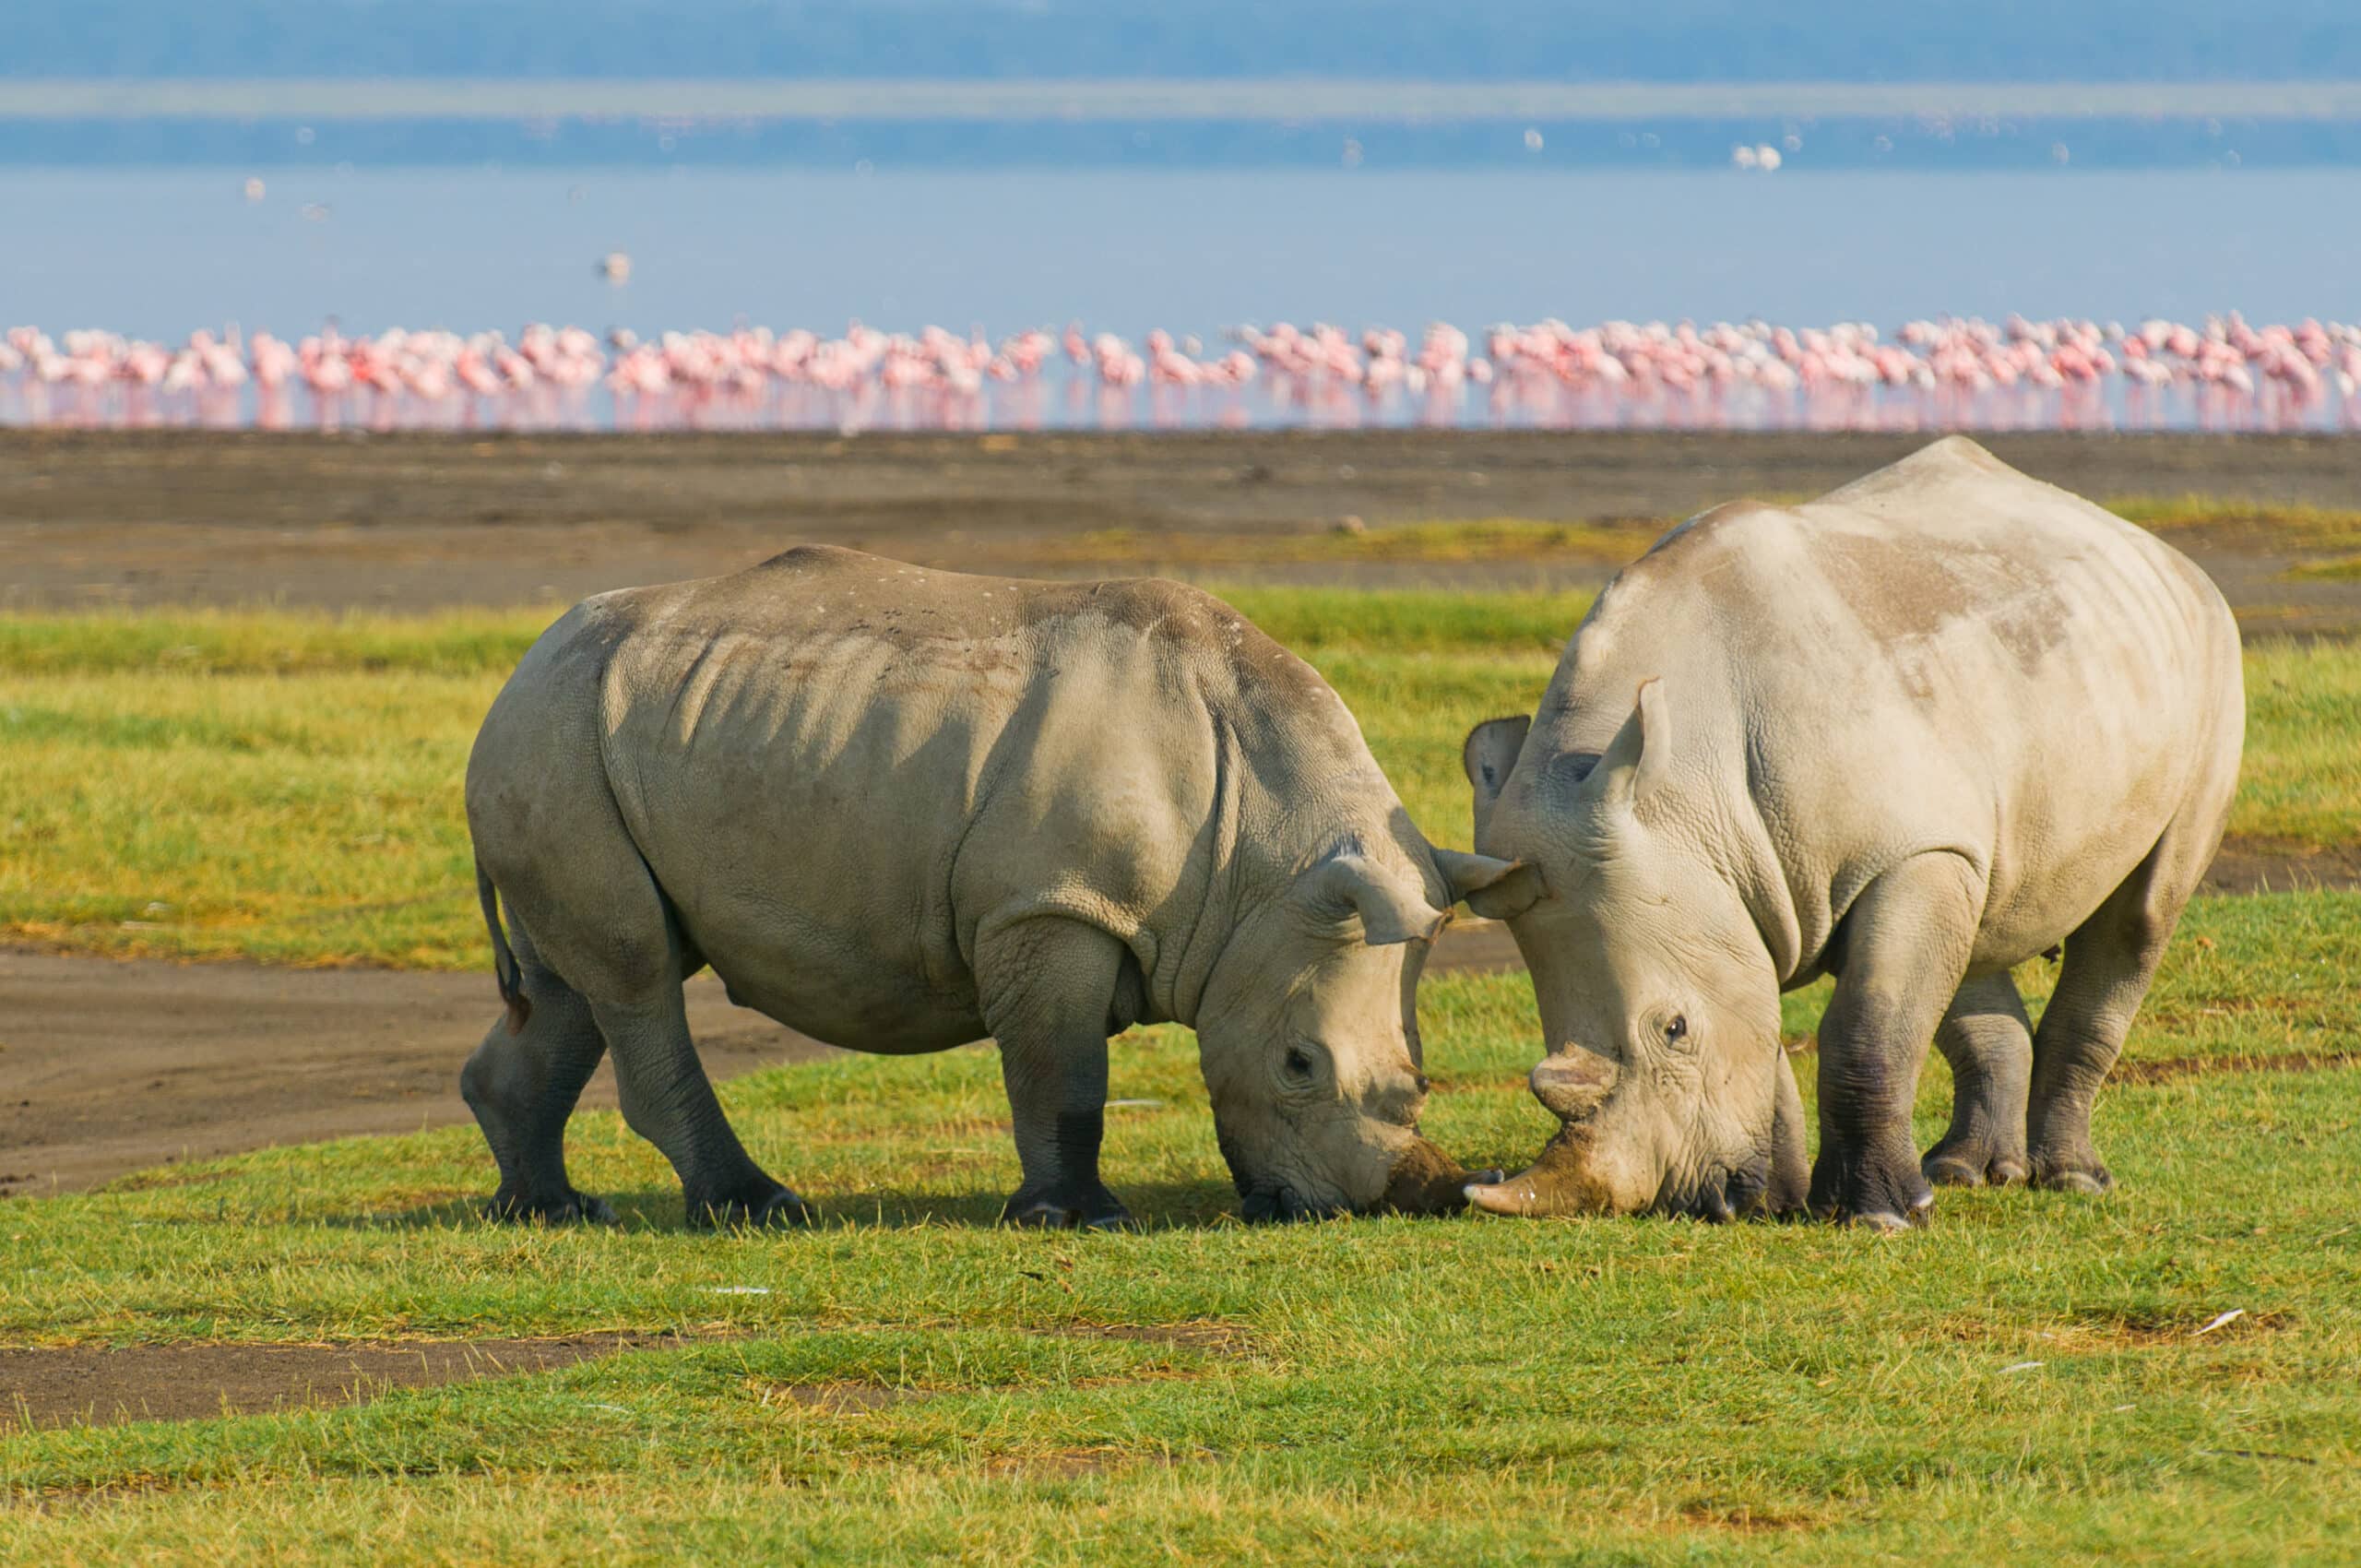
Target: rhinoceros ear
(1468,875)
(1488,754)
(1510,895)
(1640,758)
(1391,908)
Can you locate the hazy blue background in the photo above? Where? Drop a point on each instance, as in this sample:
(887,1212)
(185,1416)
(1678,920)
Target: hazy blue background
(157,251)
(490,217)
(1481,40)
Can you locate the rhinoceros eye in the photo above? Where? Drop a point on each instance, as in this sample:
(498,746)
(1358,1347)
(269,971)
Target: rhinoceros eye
(1298,1065)
(1676,1031)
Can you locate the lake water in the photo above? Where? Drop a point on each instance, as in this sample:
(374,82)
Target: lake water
(157,253)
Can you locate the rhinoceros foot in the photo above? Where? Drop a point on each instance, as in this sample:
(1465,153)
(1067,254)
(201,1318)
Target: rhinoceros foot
(569,1207)
(2071,1173)
(774,1208)
(1076,1205)
(1879,1188)
(1973,1162)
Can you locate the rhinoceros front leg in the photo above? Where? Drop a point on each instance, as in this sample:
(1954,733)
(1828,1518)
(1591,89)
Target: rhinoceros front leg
(1901,954)
(667,1100)
(523,1088)
(1986,1038)
(1049,989)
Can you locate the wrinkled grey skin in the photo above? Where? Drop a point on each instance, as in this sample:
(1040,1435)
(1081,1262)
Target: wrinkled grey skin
(1933,724)
(900,810)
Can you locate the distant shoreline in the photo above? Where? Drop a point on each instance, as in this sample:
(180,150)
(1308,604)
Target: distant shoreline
(1100,102)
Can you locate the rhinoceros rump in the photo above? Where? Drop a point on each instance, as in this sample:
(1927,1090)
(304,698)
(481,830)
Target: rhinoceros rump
(1937,722)
(900,810)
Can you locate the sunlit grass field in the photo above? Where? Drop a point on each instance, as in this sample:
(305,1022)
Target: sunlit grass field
(289,787)
(2025,1381)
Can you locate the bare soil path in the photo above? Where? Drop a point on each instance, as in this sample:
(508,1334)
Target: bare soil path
(104,1385)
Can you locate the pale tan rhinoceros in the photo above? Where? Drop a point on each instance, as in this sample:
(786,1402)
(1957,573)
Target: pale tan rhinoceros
(900,810)
(1933,724)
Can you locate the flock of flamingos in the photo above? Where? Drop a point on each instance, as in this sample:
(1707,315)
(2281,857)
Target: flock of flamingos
(1952,372)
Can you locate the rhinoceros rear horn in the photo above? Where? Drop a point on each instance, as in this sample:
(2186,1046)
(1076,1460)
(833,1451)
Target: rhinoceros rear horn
(1574,1083)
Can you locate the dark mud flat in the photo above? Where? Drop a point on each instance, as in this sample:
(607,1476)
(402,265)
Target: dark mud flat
(110,1066)
(114,1065)
(419,521)
(103,1385)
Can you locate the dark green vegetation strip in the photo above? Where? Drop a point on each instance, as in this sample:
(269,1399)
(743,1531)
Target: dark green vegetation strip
(287,786)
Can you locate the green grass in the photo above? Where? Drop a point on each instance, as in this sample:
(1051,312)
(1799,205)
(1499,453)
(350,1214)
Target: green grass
(2303,529)
(2293,523)
(2342,568)
(287,786)
(1371,1390)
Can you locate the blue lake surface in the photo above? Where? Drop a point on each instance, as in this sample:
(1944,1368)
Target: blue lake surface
(157,253)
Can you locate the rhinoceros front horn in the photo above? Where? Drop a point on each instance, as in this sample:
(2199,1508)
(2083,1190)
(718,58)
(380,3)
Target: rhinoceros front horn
(1558,1182)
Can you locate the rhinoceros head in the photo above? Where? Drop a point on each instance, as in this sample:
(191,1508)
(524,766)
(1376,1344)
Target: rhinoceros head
(1659,1001)
(1309,1036)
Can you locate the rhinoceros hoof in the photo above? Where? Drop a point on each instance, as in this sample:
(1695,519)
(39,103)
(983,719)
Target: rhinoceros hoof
(1965,1164)
(2086,1176)
(777,1209)
(1877,1202)
(1885,1222)
(573,1208)
(1068,1210)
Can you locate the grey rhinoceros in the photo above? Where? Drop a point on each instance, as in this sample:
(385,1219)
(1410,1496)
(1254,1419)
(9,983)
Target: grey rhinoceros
(1938,721)
(900,810)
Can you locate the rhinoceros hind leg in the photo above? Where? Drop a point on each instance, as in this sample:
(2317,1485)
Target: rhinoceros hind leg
(669,1100)
(1988,1043)
(2110,959)
(1900,956)
(522,1088)
(1053,991)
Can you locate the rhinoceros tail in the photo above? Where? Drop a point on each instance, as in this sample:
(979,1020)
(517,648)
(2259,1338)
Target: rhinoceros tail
(505,971)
